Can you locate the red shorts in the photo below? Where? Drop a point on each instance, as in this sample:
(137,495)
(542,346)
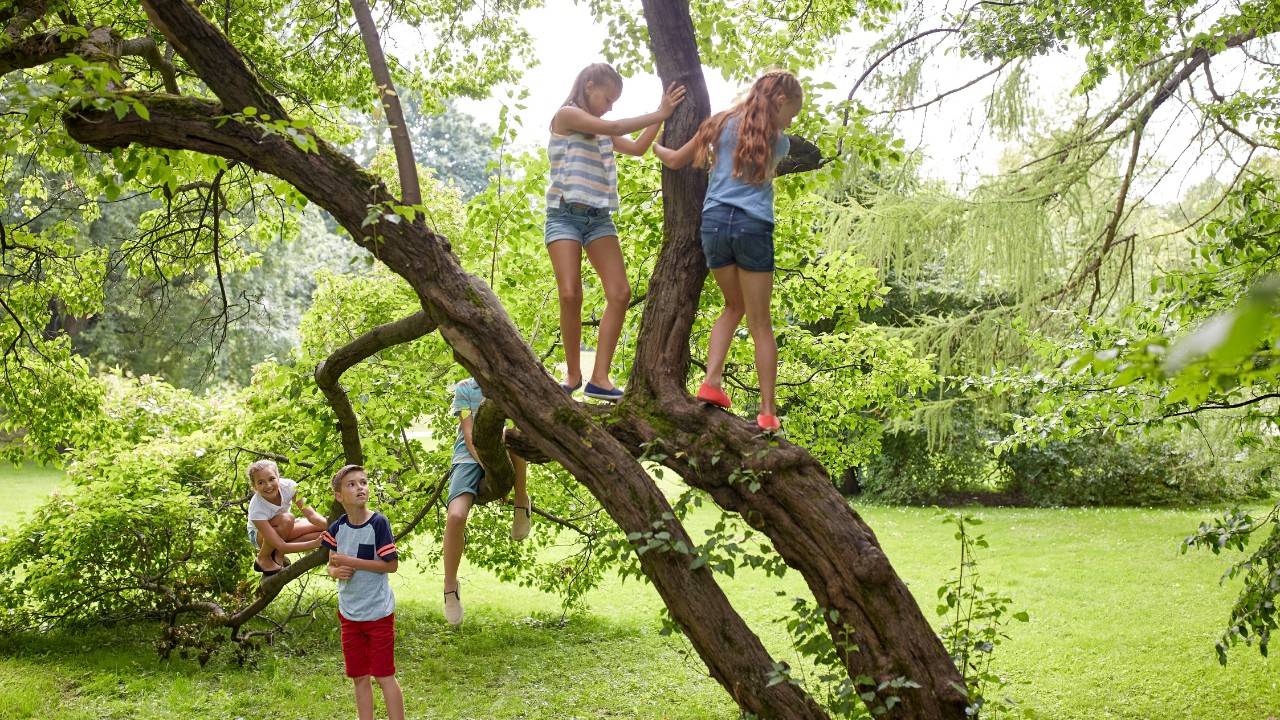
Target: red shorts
(369,646)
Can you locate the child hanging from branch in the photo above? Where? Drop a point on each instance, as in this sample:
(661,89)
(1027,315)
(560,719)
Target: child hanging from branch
(465,478)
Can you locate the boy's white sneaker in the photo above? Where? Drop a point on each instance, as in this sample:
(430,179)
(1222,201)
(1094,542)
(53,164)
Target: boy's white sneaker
(453,608)
(521,521)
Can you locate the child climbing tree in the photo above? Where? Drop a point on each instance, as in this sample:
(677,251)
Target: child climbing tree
(247,125)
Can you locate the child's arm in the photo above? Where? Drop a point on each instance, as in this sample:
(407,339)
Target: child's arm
(355,563)
(575,119)
(269,535)
(625,145)
(309,512)
(676,159)
(468,420)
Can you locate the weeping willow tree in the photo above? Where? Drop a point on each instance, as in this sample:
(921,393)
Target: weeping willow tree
(1064,235)
(1102,308)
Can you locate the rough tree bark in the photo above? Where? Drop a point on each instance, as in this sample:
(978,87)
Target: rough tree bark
(813,529)
(487,433)
(329,372)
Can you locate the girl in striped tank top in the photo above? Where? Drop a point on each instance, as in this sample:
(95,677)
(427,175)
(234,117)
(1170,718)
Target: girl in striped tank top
(582,193)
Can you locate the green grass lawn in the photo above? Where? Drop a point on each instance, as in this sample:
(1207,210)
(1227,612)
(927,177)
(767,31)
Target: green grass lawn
(1122,627)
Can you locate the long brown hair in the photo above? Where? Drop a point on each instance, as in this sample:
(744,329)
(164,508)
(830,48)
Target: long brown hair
(598,73)
(757,127)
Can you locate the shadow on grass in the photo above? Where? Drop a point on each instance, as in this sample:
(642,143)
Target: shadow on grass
(495,666)
(484,647)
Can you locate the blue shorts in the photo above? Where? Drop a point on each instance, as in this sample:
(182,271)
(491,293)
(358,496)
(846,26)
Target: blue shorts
(571,221)
(732,237)
(464,478)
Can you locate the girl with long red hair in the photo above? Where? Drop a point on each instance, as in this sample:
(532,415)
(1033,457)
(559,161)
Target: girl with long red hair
(743,145)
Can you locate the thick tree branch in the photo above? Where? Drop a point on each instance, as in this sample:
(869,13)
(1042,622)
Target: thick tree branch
(99,44)
(804,156)
(46,47)
(212,56)
(486,433)
(329,372)
(26,14)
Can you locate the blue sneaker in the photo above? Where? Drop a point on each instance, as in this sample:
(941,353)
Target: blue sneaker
(570,389)
(595,391)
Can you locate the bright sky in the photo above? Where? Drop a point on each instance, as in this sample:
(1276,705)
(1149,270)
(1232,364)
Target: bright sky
(954,138)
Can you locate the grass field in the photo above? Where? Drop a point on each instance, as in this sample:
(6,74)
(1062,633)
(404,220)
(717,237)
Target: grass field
(1122,626)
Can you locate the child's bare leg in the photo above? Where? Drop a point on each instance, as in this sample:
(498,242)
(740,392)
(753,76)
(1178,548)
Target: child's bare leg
(566,262)
(521,495)
(522,512)
(283,524)
(454,525)
(364,697)
(757,291)
(726,325)
(392,697)
(303,531)
(265,552)
(606,257)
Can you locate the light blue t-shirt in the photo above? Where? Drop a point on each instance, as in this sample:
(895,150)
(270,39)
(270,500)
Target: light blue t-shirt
(466,398)
(725,189)
(367,595)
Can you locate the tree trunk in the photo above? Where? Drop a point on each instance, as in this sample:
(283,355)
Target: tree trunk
(810,524)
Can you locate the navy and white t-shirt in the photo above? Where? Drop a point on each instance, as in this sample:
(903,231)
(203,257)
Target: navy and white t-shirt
(367,595)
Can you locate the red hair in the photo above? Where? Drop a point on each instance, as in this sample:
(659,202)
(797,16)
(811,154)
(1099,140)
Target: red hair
(757,127)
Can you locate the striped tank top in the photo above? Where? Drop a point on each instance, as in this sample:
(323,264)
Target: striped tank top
(583,171)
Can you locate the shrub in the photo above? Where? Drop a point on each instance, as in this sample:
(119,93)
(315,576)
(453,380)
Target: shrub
(1110,469)
(909,471)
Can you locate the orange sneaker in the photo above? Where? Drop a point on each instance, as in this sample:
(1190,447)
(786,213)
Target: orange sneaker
(713,395)
(768,423)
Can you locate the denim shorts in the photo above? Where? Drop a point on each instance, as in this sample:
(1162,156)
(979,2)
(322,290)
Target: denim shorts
(571,221)
(732,237)
(464,478)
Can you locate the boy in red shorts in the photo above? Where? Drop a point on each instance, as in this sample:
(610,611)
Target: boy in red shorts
(362,551)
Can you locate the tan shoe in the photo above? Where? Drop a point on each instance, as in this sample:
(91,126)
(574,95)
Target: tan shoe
(453,608)
(521,520)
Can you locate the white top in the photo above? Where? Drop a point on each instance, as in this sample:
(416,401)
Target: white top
(261,508)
